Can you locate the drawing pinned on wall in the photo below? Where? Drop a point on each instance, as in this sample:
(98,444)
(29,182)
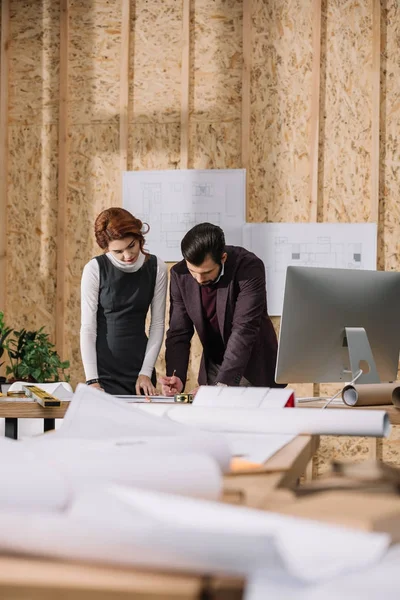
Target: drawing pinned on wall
(172,202)
(203,190)
(323,252)
(329,245)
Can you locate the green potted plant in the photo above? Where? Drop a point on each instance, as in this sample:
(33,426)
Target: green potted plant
(32,357)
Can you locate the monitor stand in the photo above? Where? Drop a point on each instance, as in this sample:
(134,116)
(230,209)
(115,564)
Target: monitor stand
(360,355)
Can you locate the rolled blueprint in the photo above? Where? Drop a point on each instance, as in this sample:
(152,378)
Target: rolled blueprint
(209,444)
(96,416)
(37,478)
(372,394)
(188,474)
(295,421)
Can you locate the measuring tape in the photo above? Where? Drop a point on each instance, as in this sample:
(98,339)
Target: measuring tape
(185,398)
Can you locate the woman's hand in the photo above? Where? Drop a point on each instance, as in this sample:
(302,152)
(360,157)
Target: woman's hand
(144,384)
(97,386)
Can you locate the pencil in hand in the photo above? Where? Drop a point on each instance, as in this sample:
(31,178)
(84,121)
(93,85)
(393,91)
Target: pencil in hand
(173,375)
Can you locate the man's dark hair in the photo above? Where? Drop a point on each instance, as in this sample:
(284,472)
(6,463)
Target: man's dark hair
(201,240)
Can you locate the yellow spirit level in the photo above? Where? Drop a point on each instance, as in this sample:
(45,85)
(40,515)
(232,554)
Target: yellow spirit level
(41,397)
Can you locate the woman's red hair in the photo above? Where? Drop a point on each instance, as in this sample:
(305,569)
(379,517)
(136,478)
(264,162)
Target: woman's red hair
(116,224)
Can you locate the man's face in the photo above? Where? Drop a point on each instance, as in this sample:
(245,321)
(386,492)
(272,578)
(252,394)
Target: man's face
(208,271)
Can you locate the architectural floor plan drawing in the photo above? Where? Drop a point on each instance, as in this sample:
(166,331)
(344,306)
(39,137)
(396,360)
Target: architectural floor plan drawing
(329,245)
(172,202)
(323,252)
(202,190)
(174,226)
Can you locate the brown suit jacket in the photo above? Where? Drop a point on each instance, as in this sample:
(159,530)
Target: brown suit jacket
(246,329)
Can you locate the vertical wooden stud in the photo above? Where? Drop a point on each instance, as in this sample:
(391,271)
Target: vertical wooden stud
(62,257)
(4,68)
(246,95)
(185,85)
(314,120)
(124,87)
(376,63)
(315,109)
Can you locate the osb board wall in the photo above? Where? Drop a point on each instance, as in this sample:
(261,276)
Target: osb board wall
(345,448)
(389,144)
(32,164)
(280,111)
(279,128)
(346,97)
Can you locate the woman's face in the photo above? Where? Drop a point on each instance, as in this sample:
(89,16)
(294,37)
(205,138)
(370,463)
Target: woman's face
(126,250)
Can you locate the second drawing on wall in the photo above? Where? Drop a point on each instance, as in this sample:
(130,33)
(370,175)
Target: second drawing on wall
(328,245)
(321,252)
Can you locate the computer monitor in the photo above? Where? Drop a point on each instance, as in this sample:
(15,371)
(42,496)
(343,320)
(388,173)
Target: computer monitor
(336,322)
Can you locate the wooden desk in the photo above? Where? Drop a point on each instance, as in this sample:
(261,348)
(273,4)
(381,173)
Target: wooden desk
(43,579)
(12,410)
(375,444)
(284,469)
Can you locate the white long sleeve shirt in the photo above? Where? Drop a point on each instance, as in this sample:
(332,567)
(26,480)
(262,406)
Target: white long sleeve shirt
(89,303)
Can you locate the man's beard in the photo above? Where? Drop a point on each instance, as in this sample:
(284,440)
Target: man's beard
(212,281)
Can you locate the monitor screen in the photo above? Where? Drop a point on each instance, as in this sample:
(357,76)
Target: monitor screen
(326,311)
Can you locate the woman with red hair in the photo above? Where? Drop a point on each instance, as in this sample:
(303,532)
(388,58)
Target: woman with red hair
(117,290)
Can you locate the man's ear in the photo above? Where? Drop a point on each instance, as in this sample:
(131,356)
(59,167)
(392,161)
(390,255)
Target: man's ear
(224,257)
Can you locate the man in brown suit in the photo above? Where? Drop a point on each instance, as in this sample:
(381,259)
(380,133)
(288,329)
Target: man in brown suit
(219,290)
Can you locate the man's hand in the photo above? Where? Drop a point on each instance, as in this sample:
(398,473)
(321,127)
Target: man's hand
(143,383)
(194,391)
(171,385)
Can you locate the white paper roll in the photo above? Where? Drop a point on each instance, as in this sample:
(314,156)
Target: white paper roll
(35,478)
(97,416)
(294,420)
(190,475)
(199,442)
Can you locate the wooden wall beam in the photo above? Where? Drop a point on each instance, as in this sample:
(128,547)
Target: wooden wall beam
(124,88)
(376,99)
(314,121)
(4,88)
(185,85)
(62,257)
(246,95)
(315,108)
